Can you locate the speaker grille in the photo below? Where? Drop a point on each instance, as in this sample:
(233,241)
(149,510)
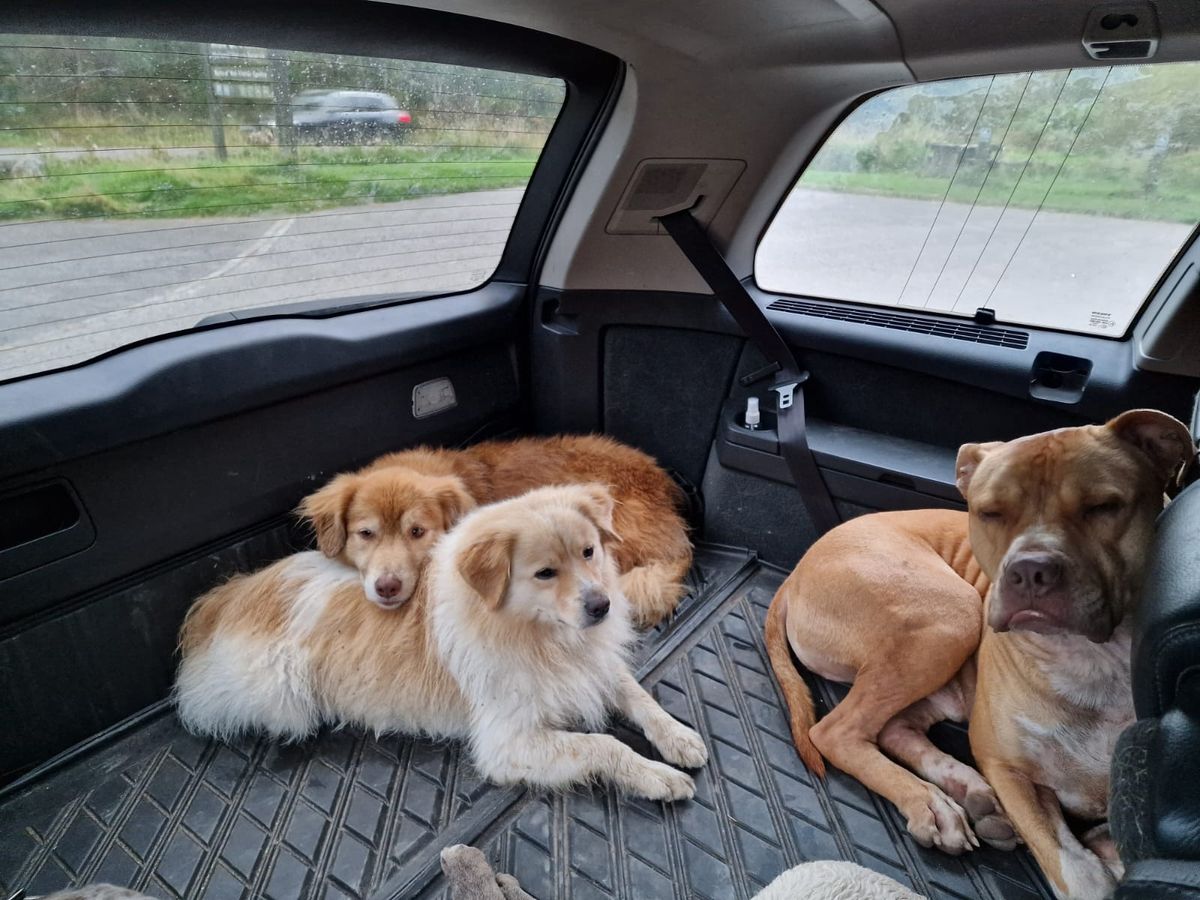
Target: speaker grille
(663,185)
(958,331)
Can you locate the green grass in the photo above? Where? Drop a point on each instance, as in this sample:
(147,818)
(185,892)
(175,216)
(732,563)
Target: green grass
(255,181)
(1093,193)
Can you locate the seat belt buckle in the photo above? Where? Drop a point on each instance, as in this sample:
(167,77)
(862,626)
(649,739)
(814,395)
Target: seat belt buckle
(787,390)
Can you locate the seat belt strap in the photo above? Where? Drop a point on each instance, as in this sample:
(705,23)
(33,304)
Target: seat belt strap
(789,383)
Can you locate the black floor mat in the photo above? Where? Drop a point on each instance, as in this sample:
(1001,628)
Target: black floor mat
(350,816)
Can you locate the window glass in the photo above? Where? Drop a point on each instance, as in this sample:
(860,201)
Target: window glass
(146,186)
(1057,199)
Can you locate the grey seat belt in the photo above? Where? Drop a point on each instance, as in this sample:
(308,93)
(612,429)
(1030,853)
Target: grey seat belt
(789,383)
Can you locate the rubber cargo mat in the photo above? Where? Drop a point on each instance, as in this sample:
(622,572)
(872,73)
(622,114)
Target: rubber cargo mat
(151,807)
(349,816)
(757,811)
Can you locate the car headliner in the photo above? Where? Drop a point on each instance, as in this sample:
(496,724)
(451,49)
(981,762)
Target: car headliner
(763,81)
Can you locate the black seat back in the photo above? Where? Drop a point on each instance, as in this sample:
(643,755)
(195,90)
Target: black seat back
(1155,803)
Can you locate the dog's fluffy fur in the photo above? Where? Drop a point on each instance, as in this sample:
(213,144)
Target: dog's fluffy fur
(471,878)
(368,518)
(296,645)
(518,630)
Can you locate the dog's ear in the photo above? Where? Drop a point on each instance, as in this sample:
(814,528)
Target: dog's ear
(595,502)
(451,495)
(326,510)
(1163,438)
(969,458)
(486,565)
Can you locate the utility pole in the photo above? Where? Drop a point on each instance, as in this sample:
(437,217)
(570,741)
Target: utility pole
(282,86)
(216,116)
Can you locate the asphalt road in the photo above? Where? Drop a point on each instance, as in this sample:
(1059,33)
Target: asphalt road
(73,289)
(1059,270)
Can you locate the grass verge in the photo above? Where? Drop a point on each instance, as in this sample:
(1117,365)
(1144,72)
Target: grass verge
(254,181)
(1128,198)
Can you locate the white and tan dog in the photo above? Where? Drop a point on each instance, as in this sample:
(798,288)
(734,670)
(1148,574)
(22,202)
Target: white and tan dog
(1055,539)
(517,631)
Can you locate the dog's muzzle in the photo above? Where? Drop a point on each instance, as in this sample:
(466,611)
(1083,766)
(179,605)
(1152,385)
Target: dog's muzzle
(1037,593)
(595,605)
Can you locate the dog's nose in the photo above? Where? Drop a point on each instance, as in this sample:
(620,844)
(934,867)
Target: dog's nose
(388,586)
(595,606)
(1035,573)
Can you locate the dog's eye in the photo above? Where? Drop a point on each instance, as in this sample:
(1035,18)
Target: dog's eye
(366,533)
(588,552)
(1107,508)
(544,574)
(991,515)
(416,531)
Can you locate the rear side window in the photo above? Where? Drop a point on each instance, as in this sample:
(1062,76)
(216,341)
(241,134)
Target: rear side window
(1056,199)
(149,186)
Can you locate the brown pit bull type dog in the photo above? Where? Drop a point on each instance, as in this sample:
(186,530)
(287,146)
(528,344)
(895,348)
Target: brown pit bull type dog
(1050,557)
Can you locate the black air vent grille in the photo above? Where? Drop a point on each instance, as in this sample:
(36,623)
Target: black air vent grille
(964,331)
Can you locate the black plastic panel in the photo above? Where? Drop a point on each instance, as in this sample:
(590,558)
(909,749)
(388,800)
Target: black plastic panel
(171,383)
(156,499)
(73,675)
(917,386)
(1114,384)
(887,461)
(41,523)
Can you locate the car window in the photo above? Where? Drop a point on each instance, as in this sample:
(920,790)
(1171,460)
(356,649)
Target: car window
(1056,199)
(146,186)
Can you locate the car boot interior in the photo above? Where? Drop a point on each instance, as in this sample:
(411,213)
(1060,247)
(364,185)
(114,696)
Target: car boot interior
(134,478)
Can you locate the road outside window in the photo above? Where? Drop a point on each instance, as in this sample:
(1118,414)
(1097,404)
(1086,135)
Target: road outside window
(146,186)
(1057,199)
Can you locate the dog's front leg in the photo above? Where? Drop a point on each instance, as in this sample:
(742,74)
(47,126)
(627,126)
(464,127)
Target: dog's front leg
(1074,871)
(677,743)
(558,759)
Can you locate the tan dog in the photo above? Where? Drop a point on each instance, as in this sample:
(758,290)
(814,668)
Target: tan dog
(517,632)
(383,519)
(1057,533)
(384,522)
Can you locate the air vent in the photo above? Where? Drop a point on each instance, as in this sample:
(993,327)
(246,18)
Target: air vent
(964,331)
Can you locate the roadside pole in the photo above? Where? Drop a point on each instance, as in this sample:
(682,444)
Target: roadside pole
(216,116)
(282,87)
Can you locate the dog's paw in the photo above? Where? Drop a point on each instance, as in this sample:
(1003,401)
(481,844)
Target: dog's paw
(937,821)
(469,874)
(682,747)
(1100,841)
(988,818)
(511,888)
(1085,876)
(658,781)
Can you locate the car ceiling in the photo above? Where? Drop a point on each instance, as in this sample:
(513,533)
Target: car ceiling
(764,82)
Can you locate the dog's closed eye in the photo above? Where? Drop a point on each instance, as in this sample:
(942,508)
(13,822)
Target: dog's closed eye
(545,574)
(1104,508)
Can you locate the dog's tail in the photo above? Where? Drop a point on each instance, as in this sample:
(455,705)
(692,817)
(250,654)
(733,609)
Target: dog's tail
(802,714)
(654,590)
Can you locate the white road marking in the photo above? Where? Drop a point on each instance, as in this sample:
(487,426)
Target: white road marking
(261,245)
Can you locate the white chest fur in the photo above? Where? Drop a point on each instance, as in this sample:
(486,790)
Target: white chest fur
(1089,686)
